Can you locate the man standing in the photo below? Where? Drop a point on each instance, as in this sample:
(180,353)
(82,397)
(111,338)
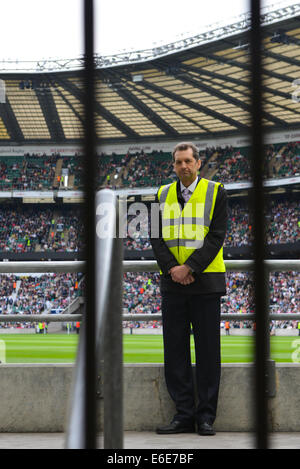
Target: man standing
(189,252)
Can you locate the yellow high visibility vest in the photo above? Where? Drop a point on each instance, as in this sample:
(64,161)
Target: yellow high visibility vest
(184,230)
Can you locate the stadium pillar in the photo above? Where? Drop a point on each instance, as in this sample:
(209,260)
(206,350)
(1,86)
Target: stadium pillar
(257,205)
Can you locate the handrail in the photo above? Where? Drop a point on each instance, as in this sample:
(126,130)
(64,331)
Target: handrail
(273,265)
(229,316)
(136,317)
(40,317)
(22,267)
(108,276)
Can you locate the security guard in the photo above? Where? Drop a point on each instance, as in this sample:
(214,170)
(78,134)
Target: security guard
(189,252)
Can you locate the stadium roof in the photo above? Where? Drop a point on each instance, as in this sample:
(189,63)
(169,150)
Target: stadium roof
(199,92)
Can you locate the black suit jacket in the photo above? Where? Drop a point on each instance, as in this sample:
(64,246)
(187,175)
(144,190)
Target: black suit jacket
(199,260)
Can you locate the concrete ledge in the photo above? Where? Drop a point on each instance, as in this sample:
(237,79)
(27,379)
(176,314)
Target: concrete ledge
(34,398)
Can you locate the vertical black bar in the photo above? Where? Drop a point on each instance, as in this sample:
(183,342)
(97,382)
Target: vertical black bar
(258,205)
(90,218)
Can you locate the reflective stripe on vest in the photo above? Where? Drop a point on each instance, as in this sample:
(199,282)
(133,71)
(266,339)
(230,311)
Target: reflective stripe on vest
(184,230)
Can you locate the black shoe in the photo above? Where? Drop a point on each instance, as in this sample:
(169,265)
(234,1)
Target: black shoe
(175,427)
(205,429)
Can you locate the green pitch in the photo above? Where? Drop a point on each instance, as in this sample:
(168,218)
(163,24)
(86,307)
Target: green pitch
(234,349)
(38,348)
(61,348)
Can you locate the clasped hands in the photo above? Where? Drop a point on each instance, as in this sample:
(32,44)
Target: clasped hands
(181,274)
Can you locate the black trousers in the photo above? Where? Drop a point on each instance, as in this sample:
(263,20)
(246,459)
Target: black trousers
(179,313)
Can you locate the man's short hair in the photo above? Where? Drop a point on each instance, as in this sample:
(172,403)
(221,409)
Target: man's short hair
(185,146)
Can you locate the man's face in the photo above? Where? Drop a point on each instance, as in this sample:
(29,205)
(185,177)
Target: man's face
(186,166)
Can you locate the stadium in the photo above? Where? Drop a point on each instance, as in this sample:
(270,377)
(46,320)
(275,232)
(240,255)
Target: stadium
(197,89)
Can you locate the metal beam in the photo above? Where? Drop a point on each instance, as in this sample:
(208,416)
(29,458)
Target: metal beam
(40,317)
(73,109)
(124,92)
(7,318)
(202,72)
(50,114)
(10,121)
(281,58)
(230,99)
(211,75)
(99,109)
(242,66)
(166,106)
(276,265)
(42,266)
(187,102)
(12,267)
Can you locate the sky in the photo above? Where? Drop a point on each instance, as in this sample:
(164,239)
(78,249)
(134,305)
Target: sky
(33,30)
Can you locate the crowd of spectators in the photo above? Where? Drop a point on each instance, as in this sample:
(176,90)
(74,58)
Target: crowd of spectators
(41,294)
(66,233)
(38,293)
(288,161)
(7,285)
(141,169)
(28,172)
(27,229)
(224,164)
(231,166)
(142,295)
(52,229)
(21,230)
(283,225)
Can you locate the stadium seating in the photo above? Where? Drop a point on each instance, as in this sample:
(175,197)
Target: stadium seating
(27,229)
(140,169)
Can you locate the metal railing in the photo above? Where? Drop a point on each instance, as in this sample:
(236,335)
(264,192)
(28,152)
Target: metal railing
(109,319)
(108,332)
(273,265)
(276,265)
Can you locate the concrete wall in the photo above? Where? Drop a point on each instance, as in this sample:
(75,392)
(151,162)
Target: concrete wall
(34,398)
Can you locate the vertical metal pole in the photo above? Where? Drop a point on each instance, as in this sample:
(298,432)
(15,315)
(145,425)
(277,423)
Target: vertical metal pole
(90,218)
(113,356)
(260,296)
